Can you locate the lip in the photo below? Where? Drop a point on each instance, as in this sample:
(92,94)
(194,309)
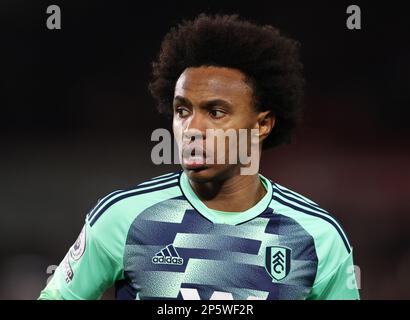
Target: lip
(192,165)
(194,162)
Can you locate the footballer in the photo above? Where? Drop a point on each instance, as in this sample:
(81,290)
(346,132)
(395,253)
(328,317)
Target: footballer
(209,231)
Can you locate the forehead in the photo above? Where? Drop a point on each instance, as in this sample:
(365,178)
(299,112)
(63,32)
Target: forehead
(210,81)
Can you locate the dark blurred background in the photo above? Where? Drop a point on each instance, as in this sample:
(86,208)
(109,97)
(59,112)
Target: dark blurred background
(76,120)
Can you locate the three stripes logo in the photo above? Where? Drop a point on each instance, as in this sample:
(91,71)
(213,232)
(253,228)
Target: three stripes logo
(277,262)
(168,255)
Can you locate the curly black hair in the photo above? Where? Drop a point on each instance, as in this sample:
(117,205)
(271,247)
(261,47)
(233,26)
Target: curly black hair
(269,60)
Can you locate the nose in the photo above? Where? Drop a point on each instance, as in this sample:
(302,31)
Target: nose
(195,128)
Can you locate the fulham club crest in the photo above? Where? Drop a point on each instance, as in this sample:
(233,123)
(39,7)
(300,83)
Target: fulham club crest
(277,262)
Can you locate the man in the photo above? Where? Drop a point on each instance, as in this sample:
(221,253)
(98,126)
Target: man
(210,231)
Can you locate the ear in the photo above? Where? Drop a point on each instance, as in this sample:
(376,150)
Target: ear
(266,122)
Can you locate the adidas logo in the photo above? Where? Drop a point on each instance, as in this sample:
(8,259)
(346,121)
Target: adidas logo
(168,255)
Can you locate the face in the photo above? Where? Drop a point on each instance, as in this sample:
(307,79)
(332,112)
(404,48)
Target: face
(213,98)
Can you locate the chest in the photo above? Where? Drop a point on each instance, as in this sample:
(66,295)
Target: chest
(269,257)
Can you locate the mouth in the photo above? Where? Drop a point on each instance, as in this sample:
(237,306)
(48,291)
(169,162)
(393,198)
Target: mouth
(192,161)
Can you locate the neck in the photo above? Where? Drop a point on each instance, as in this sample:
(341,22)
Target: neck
(234,194)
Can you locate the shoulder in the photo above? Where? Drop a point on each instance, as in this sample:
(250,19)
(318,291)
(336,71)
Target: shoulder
(326,231)
(130,201)
(108,223)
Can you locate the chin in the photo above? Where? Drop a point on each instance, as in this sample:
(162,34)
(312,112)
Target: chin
(208,173)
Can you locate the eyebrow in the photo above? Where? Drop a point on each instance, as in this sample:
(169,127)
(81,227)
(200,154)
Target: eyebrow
(206,104)
(182,100)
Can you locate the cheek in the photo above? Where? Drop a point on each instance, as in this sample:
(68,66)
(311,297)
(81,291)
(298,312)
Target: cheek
(245,121)
(178,129)
(251,120)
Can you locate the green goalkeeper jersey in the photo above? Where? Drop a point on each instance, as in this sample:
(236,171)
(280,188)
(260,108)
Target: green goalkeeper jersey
(159,241)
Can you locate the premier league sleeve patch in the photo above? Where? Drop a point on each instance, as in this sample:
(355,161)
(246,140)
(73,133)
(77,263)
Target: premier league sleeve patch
(68,271)
(78,248)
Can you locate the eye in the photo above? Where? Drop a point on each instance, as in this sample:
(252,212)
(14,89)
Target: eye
(182,112)
(217,114)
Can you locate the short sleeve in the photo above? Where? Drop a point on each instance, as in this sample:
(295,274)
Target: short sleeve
(341,284)
(87,270)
